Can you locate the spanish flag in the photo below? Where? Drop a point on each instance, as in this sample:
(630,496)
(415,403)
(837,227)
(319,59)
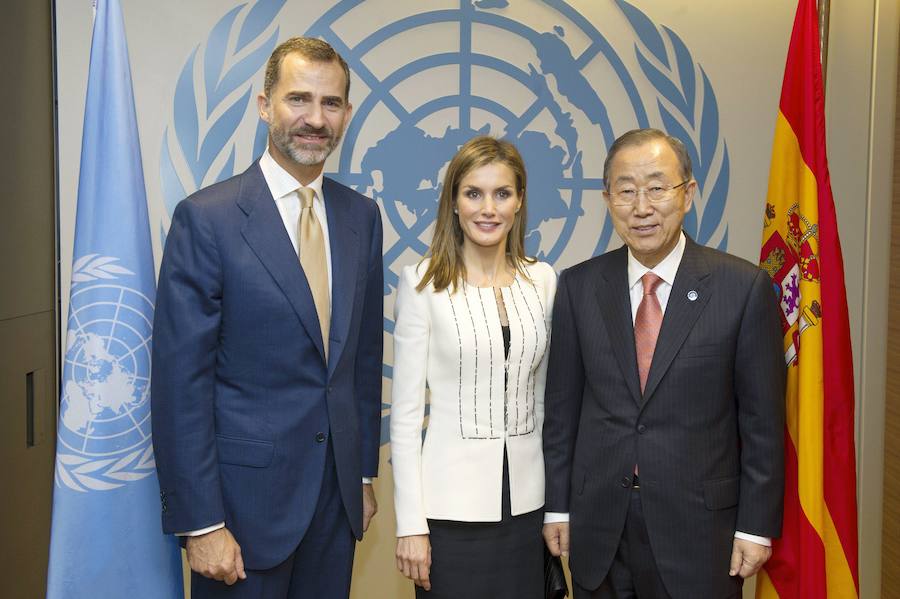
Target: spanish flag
(816,557)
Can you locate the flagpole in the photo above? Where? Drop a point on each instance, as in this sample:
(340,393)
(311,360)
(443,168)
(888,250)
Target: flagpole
(824,10)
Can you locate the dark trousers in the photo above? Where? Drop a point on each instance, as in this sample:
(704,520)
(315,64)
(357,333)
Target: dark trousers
(319,567)
(633,573)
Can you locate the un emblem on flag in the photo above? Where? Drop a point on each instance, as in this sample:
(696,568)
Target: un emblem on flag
(104,433)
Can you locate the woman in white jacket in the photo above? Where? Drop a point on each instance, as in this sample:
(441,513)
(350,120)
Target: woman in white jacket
(472,325)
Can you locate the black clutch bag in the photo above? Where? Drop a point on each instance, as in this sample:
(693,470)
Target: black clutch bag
(554,578)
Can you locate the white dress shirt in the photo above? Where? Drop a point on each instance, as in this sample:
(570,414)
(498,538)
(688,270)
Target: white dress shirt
(283,187)
(665,270)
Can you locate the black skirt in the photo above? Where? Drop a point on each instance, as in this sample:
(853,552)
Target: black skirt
(487,560)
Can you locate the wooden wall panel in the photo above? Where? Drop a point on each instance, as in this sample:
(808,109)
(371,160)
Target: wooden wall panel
(890,557)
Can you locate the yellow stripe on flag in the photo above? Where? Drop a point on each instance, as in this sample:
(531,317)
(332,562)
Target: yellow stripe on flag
(792,182)
(839,578)
(764,587)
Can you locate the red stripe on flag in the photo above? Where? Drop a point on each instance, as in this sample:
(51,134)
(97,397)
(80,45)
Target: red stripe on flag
(838,436)
(802,87)
(799,546)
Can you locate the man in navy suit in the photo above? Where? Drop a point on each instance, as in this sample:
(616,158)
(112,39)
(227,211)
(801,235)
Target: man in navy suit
(663,434)
(267,354)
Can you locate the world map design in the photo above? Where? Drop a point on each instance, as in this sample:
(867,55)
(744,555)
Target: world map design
(104,437)
(104,388)
(408,161)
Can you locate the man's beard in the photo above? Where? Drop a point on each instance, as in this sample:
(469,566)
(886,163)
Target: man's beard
(304,154)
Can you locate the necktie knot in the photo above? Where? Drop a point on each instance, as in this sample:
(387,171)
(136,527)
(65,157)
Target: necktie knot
(306,197)
(651,282)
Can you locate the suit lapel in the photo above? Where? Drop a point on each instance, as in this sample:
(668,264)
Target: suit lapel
(615,305)
(681,313)
(344,243)
(265,234)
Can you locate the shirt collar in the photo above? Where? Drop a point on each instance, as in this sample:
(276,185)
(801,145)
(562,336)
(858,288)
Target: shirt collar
(666,269)
(281,182)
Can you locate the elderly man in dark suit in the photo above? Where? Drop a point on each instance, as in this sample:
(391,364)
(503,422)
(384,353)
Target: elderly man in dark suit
(267,354)
(664,421)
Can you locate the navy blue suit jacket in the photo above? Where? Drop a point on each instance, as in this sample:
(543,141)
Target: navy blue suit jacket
(244,404)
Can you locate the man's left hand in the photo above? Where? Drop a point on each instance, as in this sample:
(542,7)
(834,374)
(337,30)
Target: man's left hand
(370,505)
(748,557)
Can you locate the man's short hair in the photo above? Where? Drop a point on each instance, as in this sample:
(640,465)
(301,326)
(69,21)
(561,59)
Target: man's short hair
(637,137)
(310,48)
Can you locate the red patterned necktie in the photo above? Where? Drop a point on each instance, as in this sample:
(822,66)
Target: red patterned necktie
(646,326)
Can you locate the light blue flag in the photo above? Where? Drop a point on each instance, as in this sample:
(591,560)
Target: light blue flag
(106,539)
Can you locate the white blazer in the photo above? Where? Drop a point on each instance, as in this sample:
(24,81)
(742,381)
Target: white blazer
(453,342)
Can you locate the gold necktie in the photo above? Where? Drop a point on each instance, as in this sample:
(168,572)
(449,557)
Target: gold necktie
(312,259)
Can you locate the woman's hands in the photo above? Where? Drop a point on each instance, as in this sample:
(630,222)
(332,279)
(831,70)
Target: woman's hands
(414,559)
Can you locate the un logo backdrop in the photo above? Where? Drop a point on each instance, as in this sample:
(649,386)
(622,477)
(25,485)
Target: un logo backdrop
(560,79)
(427,76)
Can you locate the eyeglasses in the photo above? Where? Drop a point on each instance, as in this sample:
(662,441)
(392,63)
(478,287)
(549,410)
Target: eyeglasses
(657,194)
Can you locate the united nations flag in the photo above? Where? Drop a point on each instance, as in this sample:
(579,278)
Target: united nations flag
(106,539)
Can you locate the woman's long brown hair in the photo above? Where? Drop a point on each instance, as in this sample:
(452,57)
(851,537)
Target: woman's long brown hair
(446,267)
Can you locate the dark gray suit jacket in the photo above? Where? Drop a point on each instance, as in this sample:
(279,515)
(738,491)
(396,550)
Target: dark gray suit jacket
(707,433)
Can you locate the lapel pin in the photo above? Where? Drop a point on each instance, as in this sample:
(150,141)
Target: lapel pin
(692,295)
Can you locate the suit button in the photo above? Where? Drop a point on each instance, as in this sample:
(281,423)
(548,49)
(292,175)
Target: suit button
(320,437)
(626,482)
(641,428)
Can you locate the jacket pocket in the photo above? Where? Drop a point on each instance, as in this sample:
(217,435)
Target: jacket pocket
(722,493)
(709,350)
(244,452)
